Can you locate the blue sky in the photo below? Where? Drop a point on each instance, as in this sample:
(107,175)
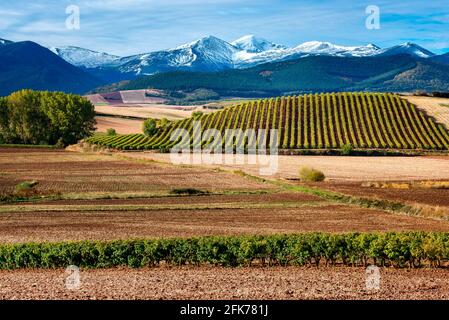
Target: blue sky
(126,27)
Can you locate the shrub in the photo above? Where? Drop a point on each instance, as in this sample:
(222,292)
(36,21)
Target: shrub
(111,132)
(150,127)
(26,188)
(197,114)
(188,191)
(347,149)
(309,174)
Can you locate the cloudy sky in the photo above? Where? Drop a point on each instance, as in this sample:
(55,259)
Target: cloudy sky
(126,27)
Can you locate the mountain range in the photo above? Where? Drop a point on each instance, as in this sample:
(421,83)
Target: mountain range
(78,70)
(210,54)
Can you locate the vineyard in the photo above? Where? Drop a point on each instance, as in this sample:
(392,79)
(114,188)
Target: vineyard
(314,121)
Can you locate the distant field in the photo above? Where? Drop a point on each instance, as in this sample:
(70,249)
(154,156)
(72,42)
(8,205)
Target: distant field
(121,125)
(436,107)
(320,121)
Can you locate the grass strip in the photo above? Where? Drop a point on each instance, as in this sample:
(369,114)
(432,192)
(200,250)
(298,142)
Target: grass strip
(121,207)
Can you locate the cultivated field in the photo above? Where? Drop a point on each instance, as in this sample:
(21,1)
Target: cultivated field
(226,283)
(339,168)
(121,125)
(319,121)
(122,196)
(436,107)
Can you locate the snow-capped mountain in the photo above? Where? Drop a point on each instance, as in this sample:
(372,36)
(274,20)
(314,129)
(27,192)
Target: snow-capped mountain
(81,57)
(205,54)
(312,48)
(408,48)
(327,48)
(213,54)
(252,44)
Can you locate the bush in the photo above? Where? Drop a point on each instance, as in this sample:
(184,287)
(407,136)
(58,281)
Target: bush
(347,149)
(150,127)
(26,188)
(197,114)
(187,191)
(308,174)
(111,132)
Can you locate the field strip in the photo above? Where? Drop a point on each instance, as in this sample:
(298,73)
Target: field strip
(212,206)
(130,195)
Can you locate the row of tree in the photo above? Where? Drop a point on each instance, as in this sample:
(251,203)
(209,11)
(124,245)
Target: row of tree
(42,117)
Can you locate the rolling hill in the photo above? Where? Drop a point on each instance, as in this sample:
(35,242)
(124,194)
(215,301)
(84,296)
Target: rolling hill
(31,66)
(311,74)
(320,121)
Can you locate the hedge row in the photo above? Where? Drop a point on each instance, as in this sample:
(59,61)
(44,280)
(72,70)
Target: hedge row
(396,249)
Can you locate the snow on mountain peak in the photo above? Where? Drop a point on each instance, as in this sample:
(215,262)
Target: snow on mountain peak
(327,48)
(81,57)
(252,44)
(408,48)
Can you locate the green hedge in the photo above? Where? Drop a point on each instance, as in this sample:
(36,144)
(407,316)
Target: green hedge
(355,249)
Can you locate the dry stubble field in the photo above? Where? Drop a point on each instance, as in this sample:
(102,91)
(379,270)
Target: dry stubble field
(236,205)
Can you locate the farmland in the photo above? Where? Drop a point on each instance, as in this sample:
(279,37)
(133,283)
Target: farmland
(319,121)
(123,197)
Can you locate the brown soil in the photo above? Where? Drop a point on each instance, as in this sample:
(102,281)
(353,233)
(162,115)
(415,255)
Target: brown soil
(432,197)
(121,126)
(110,224)
(211,283)
(340,168)
(63,171)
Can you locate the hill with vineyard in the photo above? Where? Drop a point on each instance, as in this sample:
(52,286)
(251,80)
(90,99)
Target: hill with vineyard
(313,121)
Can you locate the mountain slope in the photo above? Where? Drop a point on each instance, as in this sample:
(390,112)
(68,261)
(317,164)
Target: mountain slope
(253,44)
(213,54)
(425,75)
(81,57)
(4,41)
(206,54)
(315,73)
(29,65)
(444,58)
(408,48)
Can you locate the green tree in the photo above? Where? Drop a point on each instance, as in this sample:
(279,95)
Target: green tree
(39,117)
(150,127)
(111,132)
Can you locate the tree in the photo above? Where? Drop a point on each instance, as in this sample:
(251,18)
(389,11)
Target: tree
(40,117)
(3,120)
(111,132)
(150,127)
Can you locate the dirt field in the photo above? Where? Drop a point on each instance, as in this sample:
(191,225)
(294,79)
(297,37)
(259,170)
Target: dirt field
(432,197)
(226,283)
(341,168)
(156,111)
(49,224)
(121,125)
(71,172)
(433,106)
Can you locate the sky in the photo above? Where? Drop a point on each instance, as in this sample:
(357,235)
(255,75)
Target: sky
(126,27)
